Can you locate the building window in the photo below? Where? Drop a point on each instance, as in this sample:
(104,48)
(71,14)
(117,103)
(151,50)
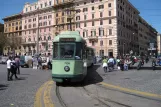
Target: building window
(50,3)
(77,17)
(56,14)
(110,21)
(85,24)
(77,25)
(101,6)
(50,16)
(41,5)
(92,23)
(109,13)
(109,4)
(93,43)
(110,42)
(101,32)
(93,8)
(85,9)
(92,16)
(44,37)
(101,14)
(85,17)
(49,22)
(101,22)
(29,39)
(101,43)
(35,6)
(49,38)
(110,31)
(30,8)
(44,30)
(92,1)
(26,9)
(45,4)
(93,33)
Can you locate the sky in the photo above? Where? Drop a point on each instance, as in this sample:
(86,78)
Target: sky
(150,10)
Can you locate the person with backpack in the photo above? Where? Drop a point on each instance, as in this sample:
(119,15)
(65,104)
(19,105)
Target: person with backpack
(13,69)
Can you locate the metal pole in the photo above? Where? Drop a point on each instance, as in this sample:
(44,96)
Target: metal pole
(123,49)
(38,35)
(70,24)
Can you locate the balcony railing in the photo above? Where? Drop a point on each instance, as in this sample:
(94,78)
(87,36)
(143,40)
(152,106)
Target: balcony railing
(92,37)
(28,42)
(66,2)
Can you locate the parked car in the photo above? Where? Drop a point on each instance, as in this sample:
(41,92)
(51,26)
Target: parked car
(4,60)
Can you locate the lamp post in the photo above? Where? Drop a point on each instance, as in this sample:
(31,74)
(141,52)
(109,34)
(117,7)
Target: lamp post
(124,49)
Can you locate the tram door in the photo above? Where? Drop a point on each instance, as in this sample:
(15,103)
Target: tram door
(84,59)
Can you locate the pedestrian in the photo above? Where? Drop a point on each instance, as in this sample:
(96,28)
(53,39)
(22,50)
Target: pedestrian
(122,63)
(13,69)
(8,68)
(17,61)
(104,62)
(126,65)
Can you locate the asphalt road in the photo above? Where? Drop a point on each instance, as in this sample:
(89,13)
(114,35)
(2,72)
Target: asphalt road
(21,93)
(112,89)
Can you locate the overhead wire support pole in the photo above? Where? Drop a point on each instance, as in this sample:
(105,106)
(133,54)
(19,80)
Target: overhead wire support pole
(38,33)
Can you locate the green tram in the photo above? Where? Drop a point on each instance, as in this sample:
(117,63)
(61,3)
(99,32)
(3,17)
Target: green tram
(71,57)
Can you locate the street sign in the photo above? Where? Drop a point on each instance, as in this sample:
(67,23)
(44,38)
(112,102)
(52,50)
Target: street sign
(151,48)
(151,45)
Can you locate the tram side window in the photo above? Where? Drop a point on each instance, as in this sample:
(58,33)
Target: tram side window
(55,50)
(78,54)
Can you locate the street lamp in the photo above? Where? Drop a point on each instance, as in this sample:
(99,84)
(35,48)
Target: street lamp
(123,49)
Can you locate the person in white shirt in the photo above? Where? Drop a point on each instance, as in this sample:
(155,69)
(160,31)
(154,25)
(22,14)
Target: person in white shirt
(8,68)
(111,62)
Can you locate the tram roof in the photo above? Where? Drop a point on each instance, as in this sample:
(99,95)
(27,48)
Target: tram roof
(69,34)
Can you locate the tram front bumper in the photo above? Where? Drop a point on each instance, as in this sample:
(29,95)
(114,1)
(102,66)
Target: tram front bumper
(70,78)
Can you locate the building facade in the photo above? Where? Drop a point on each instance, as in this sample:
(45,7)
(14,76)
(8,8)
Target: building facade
(64,16)
(37,25)
(109,26)
(147,35)
(13,31)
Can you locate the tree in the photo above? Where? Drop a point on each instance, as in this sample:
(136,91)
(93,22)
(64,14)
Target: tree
(3,41)
(13,42)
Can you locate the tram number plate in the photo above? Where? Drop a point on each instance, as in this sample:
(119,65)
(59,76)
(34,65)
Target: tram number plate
(67,63)
(67,39)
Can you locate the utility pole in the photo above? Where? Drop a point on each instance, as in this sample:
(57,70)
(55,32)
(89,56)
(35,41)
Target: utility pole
(37,44)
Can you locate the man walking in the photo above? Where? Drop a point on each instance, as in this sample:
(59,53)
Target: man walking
(8,68)
(13,69)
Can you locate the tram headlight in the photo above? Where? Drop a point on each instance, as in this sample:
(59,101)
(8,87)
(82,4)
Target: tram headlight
(66,68)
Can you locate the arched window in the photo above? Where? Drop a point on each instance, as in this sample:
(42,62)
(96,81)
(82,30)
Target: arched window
(29,39)
(49,38)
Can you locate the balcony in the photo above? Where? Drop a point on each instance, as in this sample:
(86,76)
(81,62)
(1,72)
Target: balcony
(62,4)
(28,42)
(95,38)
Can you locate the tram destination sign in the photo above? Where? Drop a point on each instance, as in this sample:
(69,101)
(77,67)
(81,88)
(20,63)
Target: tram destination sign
(67,39)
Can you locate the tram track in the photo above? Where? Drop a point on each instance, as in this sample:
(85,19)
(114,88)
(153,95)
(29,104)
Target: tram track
(61,101)
(102,99)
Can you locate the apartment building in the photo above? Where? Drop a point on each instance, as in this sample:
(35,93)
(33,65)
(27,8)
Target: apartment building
(13,31)
(109,26)
(37,25)
(147,35)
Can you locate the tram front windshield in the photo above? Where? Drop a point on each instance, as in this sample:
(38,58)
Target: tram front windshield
(67,51)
